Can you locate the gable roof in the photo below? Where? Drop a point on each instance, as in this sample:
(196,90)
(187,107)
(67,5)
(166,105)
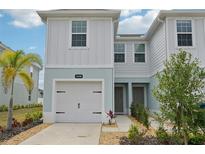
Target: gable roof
(172,13)
(114,14)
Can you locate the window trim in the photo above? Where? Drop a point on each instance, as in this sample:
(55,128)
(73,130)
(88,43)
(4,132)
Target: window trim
(125,57)
(193,33)
(70,36)
(145,53)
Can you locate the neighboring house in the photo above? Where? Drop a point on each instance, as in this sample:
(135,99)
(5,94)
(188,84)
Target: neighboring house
(90,69)
(40,96)
(21,95)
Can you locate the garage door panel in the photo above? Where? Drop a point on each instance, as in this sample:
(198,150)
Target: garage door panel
(82,101)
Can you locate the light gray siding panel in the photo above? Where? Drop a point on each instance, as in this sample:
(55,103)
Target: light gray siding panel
(60,53)
(157,47)
(198,38)
(51,74)
(130,68)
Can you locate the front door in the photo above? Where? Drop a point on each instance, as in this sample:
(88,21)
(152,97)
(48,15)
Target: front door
(138,95)
(119,100)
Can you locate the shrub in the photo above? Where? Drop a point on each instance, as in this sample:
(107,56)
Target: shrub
(15,123)
(134,135)
(162,135)
(36,116)
(197,139)
(201,119)
(140,113)
(3,108)
(133,110)
(164,138)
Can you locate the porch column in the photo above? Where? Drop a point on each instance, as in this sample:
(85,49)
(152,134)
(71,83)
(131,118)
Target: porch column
(129,95)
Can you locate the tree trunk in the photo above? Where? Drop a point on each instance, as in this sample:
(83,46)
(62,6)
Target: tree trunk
(10,108)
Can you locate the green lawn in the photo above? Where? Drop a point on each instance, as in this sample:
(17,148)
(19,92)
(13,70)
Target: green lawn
(18,114)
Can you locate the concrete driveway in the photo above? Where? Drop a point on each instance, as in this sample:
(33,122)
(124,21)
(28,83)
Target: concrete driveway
(67,134)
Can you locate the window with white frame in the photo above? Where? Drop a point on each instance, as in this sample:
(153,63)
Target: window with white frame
(79,33)
(119,51)
(184,33)
(139,53)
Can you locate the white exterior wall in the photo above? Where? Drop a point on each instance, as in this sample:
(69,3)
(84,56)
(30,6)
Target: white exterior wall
(198,34)
(99,39)
(130,68)
(157,47)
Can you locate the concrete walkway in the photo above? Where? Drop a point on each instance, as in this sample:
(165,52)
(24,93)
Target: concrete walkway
(67,134)
(123,123)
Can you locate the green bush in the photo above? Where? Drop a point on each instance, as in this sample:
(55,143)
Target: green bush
(197,139)
(134,135)
(28,116)
(201,119)
(35,116)
(133,110)
(162,135)
(3,108)
(140,113)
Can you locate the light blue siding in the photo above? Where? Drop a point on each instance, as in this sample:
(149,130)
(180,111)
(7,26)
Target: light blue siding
(69,73)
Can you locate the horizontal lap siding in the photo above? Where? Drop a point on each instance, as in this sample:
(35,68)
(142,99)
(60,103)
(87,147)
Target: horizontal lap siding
(60,53)
(198,37)
(130,68)
(157,47)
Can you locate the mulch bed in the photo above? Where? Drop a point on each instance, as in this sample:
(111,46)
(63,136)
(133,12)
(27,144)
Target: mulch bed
(5,134)
(17,136)
(146,140)
(111,138)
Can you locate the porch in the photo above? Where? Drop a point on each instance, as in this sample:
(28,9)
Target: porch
(126,93)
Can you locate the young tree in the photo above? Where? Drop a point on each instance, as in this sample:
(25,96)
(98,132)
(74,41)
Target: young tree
(13,64)
(179,91)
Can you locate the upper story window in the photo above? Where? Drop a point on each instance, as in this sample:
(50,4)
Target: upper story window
(119,52)
(79,33)
(184,33)
(139,53)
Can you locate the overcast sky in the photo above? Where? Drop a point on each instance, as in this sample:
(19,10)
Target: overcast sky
(23,29)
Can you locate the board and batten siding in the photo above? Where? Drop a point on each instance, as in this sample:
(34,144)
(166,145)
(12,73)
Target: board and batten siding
(157,46)
(198,34)
(99,39)
(130,68)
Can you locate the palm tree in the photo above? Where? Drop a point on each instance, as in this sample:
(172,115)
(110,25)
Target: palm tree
(13,64)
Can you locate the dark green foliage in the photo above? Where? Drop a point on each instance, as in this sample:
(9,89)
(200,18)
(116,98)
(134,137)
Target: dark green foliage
(140,113)
(133,110)
(179,91)
(201,119)
(3,108)
(168,139)
(32,117)
(134,135)
(162,135)
(197,139)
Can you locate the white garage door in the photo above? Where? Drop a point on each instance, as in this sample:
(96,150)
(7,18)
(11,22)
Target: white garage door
(78,101)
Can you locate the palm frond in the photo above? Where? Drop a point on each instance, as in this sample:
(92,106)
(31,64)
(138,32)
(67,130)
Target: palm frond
(27,80)
(7,76)
(27,60)
(6,58)
(18,55)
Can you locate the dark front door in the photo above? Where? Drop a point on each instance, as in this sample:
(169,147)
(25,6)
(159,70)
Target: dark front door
(119,99)
(138,95)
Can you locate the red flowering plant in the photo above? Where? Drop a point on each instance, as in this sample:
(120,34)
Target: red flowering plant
(111,116)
